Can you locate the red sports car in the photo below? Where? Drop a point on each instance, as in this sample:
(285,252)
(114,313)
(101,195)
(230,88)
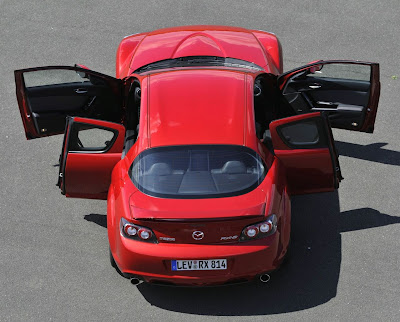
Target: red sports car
(198,144)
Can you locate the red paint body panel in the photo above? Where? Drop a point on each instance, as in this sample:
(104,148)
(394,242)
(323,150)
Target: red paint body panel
(219,41)
(153,262)
(307,170)
(369,121)
(27,120)
(217,117)
(170,116)
(125,52)
(273,50)
(88,174)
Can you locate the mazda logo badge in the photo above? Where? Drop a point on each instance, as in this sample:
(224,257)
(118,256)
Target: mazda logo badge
(197,235)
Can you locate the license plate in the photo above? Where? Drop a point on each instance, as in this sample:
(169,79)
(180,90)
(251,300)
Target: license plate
(198,265)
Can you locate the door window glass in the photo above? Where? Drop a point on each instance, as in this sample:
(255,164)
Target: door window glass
(53,77)
(303,134)
(85,137)
(342,71)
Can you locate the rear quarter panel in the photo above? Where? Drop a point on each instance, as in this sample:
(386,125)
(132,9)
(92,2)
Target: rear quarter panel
(278,202)
(120,190)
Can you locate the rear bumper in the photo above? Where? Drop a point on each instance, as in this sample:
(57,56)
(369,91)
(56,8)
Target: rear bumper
(152,262)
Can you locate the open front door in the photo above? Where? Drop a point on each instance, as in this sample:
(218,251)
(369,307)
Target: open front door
(347,90)
(46,95)
(305,146)
(90,151)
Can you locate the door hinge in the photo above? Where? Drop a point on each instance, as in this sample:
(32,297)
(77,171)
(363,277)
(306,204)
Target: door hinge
(339,174)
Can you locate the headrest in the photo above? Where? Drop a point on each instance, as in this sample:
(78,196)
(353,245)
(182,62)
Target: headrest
(234,167)
(160,169)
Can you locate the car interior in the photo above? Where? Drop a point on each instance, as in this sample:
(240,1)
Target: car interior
(341,89)
(268,107)
(51,100)
(133,116)
(193,171)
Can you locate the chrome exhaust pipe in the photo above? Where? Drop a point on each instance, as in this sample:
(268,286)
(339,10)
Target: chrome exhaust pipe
(136,281)
(265,278)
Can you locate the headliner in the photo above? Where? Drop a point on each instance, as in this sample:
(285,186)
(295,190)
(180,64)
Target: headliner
(197,106)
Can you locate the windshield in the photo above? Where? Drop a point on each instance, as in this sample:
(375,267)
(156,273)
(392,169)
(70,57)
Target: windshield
(199,61)
(206,171)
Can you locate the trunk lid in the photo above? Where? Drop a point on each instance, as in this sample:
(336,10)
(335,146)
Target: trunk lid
(198,221)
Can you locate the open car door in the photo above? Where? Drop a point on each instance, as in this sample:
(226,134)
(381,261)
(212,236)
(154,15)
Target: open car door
(305,146)
(46,95)
(347,90)
(90,151)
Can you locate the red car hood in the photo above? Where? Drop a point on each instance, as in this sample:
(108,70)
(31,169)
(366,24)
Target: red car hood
(198,41)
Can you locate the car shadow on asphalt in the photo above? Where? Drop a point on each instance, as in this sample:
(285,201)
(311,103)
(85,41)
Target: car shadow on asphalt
(308,279)
(101,220)
(371,152)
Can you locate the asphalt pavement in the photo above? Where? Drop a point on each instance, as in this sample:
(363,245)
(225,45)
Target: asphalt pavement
(54,251)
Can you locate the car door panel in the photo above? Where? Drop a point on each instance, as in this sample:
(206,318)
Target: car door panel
(89,175)
(46,99)
(304,145)
(350,97)
(51,106)
(354,96)
(90,152)
(316,163)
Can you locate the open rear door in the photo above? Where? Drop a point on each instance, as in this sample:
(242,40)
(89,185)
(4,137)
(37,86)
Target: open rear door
(47,95)
(305,146)
(347,90)
(90,151)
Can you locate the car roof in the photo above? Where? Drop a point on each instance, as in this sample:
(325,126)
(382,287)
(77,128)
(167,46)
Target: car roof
(196,106)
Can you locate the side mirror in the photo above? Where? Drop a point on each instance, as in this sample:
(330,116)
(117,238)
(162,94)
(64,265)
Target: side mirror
(82,74)
(315,69)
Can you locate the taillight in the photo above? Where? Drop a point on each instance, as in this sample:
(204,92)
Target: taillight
(260,230)
(251,231)
(137,232)
(144,233)
(266,227)
(130,230)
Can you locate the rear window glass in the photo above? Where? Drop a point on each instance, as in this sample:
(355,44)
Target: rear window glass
(197,171)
